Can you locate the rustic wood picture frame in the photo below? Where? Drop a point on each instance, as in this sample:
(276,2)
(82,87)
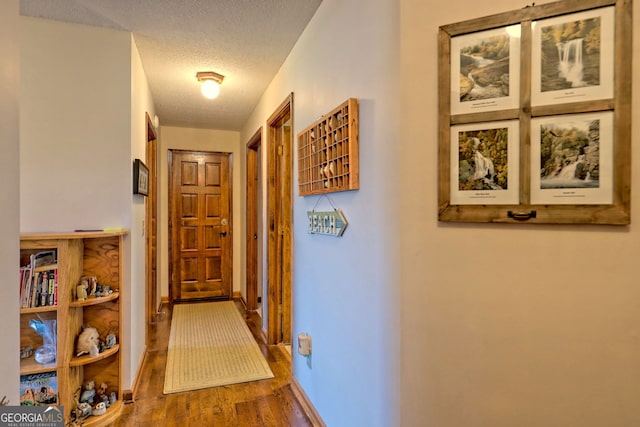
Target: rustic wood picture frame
(573,207)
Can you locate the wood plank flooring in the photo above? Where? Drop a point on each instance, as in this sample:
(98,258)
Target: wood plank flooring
(264,403)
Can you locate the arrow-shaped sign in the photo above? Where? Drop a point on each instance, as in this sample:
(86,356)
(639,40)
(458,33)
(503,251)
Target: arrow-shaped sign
(332,223)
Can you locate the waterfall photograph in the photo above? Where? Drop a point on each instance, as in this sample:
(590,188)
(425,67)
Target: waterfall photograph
(570,154)
(572,159)
(573,57)
(484,166)
(485,70)
(483,157)
(570,54)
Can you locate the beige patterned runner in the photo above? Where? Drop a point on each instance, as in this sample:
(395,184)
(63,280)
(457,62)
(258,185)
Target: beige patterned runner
(210,345)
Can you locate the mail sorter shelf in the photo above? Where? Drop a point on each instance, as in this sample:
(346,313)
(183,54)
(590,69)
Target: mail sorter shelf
(328,152)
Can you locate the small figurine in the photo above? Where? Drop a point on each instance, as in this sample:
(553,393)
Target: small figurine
(83,410)
(113,397)
(111,341)
(105,399)
(102,390)
(101,394)
(100,409)
(81,290)
(26,352)
(88,342)
(89,393)
(93,284)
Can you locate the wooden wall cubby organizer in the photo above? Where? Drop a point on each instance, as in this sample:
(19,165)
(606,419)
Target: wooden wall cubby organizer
(328,152)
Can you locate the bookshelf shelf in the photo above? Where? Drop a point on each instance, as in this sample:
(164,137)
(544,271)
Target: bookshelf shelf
(112,414)
(38,309)
(87,359)
(80,254)
(95,300)
(30,366)
(47,267)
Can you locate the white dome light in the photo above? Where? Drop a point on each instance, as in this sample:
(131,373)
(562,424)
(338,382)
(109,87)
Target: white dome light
(210,89)
(210,83)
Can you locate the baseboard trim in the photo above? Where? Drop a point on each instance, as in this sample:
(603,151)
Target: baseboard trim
(307,406)
(131,394)
(127,396)
(238,296)
(284,351)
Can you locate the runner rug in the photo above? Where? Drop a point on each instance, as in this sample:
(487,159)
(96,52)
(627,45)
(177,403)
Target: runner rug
(211,345)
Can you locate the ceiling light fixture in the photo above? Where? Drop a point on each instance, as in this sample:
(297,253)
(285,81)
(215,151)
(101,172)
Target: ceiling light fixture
(210,83)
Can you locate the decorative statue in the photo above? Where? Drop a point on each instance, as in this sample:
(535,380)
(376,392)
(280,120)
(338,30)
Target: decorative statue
(47,329)
(111,341)
(93,284)
(88,342)
(89,393)
(81,290)
(100,409)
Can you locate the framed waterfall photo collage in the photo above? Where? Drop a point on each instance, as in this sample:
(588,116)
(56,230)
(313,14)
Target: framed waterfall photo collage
(535,115)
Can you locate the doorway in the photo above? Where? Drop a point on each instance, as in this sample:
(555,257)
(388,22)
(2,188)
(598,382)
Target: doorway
(200,226)
(279,223)
(254,229)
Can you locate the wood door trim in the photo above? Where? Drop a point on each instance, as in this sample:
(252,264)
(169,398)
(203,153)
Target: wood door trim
(170,228)
(151,228)
(276,253)
(252,220)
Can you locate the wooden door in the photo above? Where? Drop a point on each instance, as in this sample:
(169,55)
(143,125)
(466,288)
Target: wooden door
(200,226)
(280,223)
(253,212)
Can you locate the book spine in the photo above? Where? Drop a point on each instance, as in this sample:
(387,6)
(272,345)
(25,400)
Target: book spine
(25,273)
(50,288)
(33,289)
(55,287)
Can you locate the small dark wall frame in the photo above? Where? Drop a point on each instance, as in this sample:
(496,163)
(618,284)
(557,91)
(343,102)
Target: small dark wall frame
(140,178)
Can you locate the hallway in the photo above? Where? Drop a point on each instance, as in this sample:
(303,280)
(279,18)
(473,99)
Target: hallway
(258,403)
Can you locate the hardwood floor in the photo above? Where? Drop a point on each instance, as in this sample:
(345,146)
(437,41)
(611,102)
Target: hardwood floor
(259,403)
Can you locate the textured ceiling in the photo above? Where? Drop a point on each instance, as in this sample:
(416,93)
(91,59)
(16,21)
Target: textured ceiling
(245,40)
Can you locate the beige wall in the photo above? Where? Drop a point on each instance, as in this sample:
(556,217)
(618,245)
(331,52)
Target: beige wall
(506,325)
(141,104)
(75,119)
(177,138)
(9,199)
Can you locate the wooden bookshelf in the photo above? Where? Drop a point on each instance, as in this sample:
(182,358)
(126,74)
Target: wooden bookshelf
(79,254)
(328,152)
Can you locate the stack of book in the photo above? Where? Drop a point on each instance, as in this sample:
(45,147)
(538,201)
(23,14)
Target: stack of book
(39,281)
